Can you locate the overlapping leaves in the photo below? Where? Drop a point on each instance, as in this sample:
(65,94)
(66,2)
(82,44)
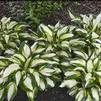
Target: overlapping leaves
(10,32)
(84,70)
(58,39)
(28,69)
(88,29)
(73,50)
(83,77)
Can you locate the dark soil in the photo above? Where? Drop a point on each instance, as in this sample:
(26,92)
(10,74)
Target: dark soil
(81,7)
(54,94)
(15,10)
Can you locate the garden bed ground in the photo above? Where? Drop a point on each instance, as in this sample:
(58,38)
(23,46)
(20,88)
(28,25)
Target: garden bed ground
(14,10)
(54,94)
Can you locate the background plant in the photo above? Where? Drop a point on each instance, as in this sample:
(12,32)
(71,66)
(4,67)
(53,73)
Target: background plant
(37,10)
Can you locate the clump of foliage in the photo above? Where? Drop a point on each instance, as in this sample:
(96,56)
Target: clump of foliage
(10,34)
(29,69)
(83,76)
(37,10)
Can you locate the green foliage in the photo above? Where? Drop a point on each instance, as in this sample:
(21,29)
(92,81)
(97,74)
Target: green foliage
(35,11)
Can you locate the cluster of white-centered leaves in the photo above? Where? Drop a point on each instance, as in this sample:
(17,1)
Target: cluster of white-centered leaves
(28,69)
(55,38)
(83,74)
(58,39)
(83,78)
(10,32)
(88,29)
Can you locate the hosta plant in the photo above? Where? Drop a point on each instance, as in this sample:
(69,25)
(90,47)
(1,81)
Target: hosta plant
(58,39)
(88,29)
(83,77)
(28,69)
(83,74)
(10,34)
